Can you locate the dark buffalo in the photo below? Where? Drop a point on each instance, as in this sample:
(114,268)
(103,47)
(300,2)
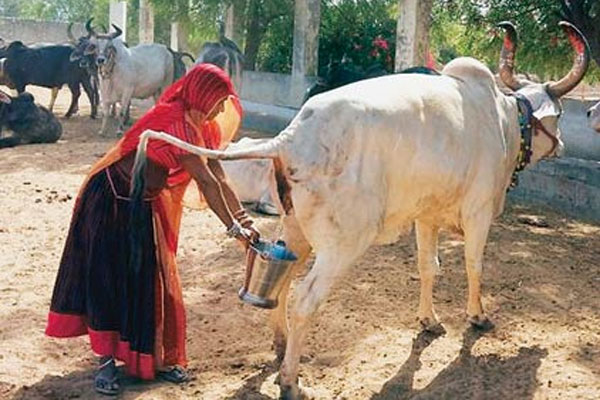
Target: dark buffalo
(28,122)
(48,66)
(87,62)
(343,73)
(226,55)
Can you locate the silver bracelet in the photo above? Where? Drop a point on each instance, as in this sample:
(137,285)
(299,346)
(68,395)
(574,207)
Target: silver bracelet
(234,230)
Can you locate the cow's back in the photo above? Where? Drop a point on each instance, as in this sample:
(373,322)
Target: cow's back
(44,65)
(152,69)
(398,147)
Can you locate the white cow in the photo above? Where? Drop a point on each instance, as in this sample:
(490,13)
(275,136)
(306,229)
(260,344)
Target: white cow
(251,179)
(360,164)
(594,117)
(125,73)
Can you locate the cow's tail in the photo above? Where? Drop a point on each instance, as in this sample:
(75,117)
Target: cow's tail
(182,54)
(281,191)
(269,149)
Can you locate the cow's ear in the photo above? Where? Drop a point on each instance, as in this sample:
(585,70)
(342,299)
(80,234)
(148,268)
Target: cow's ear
(4,98)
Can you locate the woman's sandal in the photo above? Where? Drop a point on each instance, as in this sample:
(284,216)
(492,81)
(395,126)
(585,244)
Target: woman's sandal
(106,381)
(174,374)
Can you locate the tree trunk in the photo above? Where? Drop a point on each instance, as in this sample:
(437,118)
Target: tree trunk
(235,27)
(254,35)
(412,37)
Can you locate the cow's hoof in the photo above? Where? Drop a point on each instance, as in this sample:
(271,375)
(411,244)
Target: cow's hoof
(432,326)
(481,322)
(293,392)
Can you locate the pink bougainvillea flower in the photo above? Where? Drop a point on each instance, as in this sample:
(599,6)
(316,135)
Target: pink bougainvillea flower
(381,43)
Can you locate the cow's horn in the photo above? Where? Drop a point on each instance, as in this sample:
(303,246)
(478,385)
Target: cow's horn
(89,29)
(507,56)
(581,61)
(70,34)
(116,33)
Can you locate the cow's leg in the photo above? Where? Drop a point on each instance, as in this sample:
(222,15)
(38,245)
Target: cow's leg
(106,108)
(476,230)
(10,141)
(266,205)
(128,114)
(429,266)
(124,112)
(53,95)
(309,294)
(75,93)
(296,242)
(89,91)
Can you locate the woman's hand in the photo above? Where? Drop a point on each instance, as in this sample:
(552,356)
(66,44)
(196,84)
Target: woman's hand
(254,232)
(246,236)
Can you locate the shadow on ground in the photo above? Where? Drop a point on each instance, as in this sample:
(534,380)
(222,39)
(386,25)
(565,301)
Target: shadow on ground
(468,376)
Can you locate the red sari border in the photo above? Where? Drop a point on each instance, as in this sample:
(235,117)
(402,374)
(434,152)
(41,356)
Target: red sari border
(104,343)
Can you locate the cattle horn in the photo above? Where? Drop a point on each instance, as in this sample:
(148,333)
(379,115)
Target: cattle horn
(581,61)
(89,29)
(116,33)
(507,56)
(70,33)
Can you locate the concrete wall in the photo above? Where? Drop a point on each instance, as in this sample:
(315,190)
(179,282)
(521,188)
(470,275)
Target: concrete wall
(567,184)
(30,31)
(581,141)
(274,89)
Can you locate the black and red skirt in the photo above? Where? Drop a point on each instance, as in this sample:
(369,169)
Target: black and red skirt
(96,291)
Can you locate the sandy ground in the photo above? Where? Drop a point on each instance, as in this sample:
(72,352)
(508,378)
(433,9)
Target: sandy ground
(541,288)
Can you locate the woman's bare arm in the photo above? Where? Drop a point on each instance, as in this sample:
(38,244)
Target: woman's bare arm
(231,198)
(208,185)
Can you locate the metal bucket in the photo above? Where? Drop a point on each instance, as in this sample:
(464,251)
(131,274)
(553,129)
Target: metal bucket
(265,274)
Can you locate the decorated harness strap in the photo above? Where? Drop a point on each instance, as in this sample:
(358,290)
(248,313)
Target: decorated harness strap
(526,129)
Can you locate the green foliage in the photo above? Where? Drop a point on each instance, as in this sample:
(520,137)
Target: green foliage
(56,10)
(358,29)
(275,52)
(364,31)
(468,28)
(198,17)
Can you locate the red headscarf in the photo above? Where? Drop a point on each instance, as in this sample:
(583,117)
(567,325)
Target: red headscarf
(202,88)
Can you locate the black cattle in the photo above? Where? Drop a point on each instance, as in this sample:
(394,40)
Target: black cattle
(226,55)
(48,66)
(179,66)
(343,73)
(87,62)
(28,122)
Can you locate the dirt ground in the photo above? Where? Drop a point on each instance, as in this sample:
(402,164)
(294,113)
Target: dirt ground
(541,288)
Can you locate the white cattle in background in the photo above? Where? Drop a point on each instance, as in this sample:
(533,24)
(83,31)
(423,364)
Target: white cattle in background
(360,164)
(139,72)
(251,179)
(594,117)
